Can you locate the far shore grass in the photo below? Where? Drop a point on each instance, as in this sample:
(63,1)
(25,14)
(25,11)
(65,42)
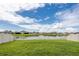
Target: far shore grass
(26,35)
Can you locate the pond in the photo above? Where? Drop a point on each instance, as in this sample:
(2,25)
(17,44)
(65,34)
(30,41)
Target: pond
(40,37)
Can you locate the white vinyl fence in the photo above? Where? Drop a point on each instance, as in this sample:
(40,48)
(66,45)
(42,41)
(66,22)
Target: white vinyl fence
(73,37)
(6,37)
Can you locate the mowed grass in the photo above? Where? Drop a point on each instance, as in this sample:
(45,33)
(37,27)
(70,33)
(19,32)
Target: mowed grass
(40,48)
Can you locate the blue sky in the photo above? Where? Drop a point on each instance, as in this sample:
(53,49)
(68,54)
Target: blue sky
(48,11)
(42,17)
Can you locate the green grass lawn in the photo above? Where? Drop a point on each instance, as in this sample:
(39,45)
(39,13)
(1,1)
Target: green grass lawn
(40,48)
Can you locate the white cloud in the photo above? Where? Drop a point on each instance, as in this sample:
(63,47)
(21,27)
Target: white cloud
(45,27)
(46,18)
(57,25)
(1,30)
(8,12)
(70,29)
(12,7)
(69,18)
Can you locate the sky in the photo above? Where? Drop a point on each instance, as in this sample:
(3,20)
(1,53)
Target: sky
(39,17)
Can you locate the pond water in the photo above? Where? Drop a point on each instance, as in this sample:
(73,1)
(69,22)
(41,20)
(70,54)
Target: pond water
(40,37)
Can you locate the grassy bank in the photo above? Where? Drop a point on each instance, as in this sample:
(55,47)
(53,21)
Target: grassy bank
(25,35)
(40,34)
(40,48)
